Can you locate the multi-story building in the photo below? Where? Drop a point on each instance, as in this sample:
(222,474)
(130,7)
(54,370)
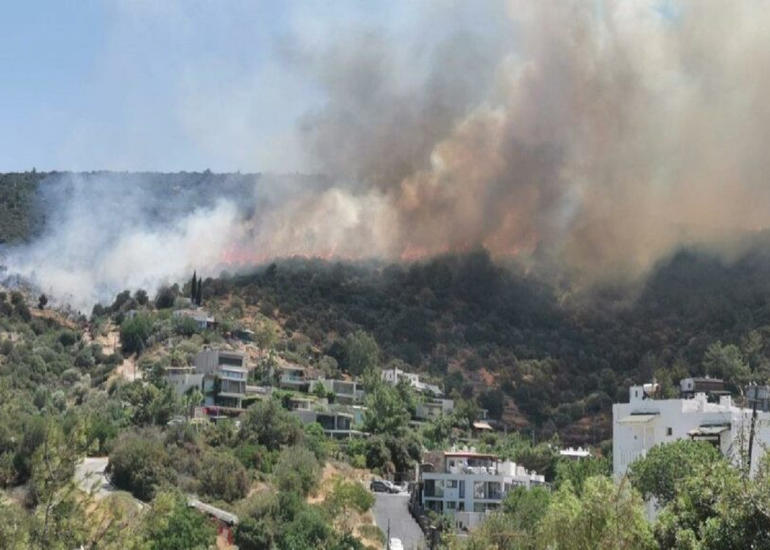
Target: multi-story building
(468,485)
(293,377)
(335,423)
(395,375)
(346,392)
(645,421)
(224,379)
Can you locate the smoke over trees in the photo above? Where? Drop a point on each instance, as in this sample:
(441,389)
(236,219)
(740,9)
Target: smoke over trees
(582,138)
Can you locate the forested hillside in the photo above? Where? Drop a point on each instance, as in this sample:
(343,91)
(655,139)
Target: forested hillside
(536,356)
(528,356)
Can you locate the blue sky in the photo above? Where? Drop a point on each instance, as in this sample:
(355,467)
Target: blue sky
(161,85)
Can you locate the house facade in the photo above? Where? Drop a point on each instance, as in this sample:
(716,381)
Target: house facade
(645,421)
(347,392)
(224,375)
(468,485)
(395,375)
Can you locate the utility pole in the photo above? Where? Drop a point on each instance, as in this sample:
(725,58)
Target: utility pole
(755,389)
(387,542)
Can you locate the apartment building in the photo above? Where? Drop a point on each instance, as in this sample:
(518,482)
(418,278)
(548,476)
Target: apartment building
(468,485)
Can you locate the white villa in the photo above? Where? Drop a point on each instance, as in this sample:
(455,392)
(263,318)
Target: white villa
(646,421)
(394,375)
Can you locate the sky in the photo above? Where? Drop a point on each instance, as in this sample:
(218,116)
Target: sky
(170,85)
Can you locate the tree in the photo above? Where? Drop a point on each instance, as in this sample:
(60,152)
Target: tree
(199,293)
(42,301)
(194,288)
(297,471)
(223,477)
(577,471)
(172,525)
(139,463)
(134,333)
(361,353)
(715,509)
(385,411)
(666,465)
(726,361)
(141,297)
(165,298)
(605,516)
(344,498)
(267,423)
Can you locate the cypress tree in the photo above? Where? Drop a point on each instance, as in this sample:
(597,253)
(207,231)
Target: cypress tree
(199,293)
(193,287)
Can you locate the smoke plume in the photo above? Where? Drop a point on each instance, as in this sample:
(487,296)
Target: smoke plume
(595,136)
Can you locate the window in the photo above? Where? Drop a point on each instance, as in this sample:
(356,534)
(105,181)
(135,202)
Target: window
(669,431)
(451,505)
(451,484)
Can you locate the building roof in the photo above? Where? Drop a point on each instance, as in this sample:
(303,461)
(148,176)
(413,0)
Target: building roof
(469,454)
(579,452)
(709,430)
(479,425)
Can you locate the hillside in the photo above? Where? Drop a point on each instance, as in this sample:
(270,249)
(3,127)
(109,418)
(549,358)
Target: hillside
(536,355)
(532,359)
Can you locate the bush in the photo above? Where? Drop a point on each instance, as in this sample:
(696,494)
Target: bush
(223,477)
(267,423)
(297,471)
(165,298)
(134,333)
(139,463)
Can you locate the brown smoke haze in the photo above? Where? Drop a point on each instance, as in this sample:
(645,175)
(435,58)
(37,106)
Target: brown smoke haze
(597,134)
(589,137)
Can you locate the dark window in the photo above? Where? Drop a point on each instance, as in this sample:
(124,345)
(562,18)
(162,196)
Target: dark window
(669,431)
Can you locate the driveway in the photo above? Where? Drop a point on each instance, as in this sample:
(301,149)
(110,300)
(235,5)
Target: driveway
(402,525)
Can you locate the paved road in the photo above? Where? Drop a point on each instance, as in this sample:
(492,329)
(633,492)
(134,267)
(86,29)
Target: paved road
(402,524)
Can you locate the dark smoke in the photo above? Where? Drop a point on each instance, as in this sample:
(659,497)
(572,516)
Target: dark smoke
(590,137)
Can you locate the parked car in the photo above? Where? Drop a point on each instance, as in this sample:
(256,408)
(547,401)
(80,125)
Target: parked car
(380,486)
(395,544)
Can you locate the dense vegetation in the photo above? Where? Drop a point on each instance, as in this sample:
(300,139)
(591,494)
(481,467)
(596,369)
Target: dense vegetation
(527,354)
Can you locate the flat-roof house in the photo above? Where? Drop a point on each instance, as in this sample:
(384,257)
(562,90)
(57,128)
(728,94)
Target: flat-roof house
(202,318)
(346,392)
(224,380)
(395,375)
(338,424)
(645,421)
(293,377)
(467,485)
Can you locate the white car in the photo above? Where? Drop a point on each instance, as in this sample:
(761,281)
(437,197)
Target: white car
(395,544)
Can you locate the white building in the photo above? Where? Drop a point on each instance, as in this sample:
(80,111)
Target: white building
(471,484)
(395,375)
(575,454)
(644,422)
